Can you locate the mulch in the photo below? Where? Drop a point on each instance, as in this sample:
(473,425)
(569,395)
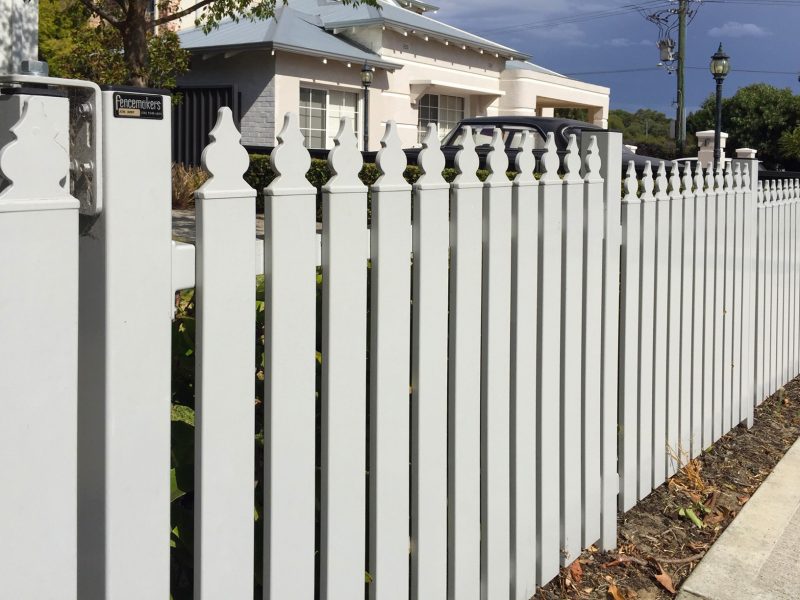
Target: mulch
(660,540)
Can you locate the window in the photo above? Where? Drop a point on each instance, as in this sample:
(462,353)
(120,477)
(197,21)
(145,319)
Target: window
(320,111)
(444,111)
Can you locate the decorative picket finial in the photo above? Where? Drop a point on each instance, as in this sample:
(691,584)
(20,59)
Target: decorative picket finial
(699,183)
(345,159)
(290,158)
(760,193)
(767,191)
(550,160)
(225,158)
(631,185)
(34,143)
(710,184)
(773,191)
(746,176)
(430,159)
(525,161)
(662,185)
(781,191)
(737,176)
(648,184)
(467,161)
(572,161)
(688,181)
(728,176)
(497,159)
(675,181)
(592,162)
(719,181)
(391,160)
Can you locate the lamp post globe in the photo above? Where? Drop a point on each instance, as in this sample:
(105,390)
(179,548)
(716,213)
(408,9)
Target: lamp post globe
(367,75)
(720,66)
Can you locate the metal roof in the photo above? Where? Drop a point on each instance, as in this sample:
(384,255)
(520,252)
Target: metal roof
(529,66)
(290,30)
(336,15)
(307,27)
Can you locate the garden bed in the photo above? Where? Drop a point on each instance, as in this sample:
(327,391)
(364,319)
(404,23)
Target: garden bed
(662,539)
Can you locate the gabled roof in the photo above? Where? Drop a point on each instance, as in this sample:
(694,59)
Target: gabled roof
(529,66)
(290,31)
(310,27)
(335,15)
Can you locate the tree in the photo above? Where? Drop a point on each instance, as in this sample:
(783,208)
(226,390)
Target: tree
(758,116)
(648,129)
(76,46)
(135,24)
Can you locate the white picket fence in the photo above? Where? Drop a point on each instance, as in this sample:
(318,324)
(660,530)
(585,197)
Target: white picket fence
(515,331)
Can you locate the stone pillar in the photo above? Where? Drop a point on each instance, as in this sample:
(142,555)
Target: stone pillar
(705,145)
(747,153)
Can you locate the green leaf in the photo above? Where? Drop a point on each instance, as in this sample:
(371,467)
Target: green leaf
(175,491)
(690,514)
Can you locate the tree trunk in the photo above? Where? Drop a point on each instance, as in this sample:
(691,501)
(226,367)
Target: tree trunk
(134,41)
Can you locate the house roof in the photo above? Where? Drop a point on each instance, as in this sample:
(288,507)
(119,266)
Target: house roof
(335,15)
(310,27)
(529,66)
(291,31)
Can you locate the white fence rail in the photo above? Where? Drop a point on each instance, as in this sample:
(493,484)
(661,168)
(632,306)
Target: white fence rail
(508,323)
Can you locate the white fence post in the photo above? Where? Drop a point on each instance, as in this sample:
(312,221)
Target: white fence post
(390,376)
(524,285)
(126,303)
(290,259)
(727,311)
(39,358)
(224,408)
(709,380)
(698,338)
(719,369)
(674,447)
(344,350)
(429,375)
(464,402)
(687,297)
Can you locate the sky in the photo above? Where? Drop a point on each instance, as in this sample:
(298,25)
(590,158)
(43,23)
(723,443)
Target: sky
(568,37)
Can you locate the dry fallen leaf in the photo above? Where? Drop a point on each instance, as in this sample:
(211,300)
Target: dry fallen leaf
(576,571)
(743,499)
(614,593)
(666,581)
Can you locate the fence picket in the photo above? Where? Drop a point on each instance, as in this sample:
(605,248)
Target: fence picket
(571,353)
(429,376)
(687,296)
(344,293)
(751,223)
(591,408)
(709,314)
(224,409)
(464,402)
(719,305)
(698,303)
(659,441)
(290,259)
(761,292)
(39,385)
(495,374)
(548,353)
(390,376)
(629,341)
(524,275)
(738,271)
(646,301)
(674,447)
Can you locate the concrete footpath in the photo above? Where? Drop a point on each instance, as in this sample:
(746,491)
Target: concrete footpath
(758,556)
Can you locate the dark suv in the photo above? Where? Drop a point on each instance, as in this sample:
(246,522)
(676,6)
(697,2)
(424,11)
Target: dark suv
(512,128)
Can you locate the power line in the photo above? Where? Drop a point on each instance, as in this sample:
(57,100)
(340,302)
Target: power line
(577,18)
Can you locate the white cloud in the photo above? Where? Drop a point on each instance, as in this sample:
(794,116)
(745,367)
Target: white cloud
(626,43)
(735,29)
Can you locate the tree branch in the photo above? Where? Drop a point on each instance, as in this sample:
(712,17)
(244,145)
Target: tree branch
(179,14)
(102,13)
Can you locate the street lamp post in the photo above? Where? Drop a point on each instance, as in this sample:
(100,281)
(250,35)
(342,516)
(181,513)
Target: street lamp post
(366,81)
(720,66)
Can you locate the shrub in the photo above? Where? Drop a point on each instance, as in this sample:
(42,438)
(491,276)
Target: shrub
(185,180)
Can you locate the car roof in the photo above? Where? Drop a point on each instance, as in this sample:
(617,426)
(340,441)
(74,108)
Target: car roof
(530,120)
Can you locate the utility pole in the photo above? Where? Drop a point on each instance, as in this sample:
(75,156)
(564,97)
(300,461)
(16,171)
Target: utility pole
(680,120)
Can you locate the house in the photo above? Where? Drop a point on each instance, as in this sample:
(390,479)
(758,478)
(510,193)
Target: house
(309,57)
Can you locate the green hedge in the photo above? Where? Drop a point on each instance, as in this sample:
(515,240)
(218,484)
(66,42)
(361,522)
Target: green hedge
(260,174)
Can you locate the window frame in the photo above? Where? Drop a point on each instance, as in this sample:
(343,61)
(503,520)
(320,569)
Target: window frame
(328,135)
